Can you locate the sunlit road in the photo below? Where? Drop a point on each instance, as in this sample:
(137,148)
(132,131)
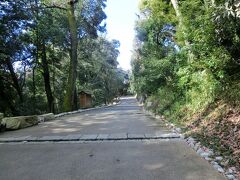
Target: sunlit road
(124,158)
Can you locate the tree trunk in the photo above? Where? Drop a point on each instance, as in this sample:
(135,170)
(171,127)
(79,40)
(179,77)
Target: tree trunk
(14,79)
(46,77)
(213,2)
(69,100)
(33,83)
(177,11)
(209,3)
(180,18)
(34,90)
(6,99)
(182,26)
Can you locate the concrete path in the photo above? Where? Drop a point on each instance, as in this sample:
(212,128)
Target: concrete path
(119,142)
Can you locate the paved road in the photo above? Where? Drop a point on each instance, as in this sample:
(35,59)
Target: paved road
(124,118)
(102,160)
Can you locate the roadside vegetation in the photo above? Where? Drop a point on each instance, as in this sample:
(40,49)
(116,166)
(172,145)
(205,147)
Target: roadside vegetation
(186,67)
(50,51)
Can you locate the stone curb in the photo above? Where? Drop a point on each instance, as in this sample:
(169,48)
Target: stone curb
(203,151)
(218,162)
(171,126)
(91,137)
(50,116)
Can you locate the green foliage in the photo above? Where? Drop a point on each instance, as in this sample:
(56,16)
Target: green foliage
(191,66)
(35,58)
(98,70)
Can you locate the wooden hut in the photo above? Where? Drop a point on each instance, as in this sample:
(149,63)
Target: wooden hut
(85,99)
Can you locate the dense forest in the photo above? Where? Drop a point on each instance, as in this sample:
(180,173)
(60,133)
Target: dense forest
(186,67)
(185,62)
(50,51)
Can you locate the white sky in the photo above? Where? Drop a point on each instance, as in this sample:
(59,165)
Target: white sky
(121,16)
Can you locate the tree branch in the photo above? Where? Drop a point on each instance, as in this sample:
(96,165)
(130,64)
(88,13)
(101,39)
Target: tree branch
(54,6)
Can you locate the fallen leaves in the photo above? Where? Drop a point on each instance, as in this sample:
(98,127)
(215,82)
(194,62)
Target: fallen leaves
(220,129)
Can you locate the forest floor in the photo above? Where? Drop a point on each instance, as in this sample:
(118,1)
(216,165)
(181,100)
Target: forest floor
(219,128)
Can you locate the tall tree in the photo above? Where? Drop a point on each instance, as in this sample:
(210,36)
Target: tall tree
(69,102)
(14,22)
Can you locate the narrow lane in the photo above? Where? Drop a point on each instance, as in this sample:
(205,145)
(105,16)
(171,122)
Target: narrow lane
(102,160)
(126,117)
